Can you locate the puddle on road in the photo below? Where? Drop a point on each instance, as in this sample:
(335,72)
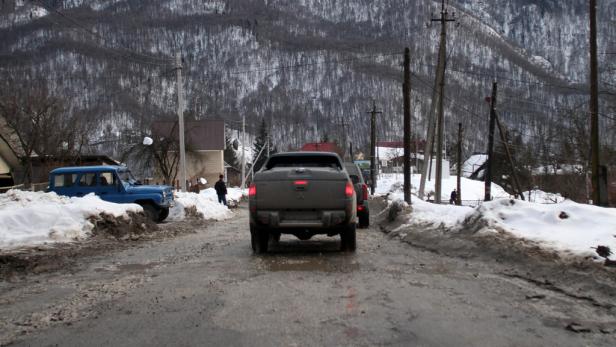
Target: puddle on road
(128,267)
(317,255)
(329,263)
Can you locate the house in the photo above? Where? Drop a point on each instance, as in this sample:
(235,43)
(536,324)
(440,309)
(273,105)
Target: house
(323,147)
(205,144)
(10,152)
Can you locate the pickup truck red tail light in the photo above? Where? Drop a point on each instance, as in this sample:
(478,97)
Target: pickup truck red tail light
(348,190)
(364,189)
(252,190)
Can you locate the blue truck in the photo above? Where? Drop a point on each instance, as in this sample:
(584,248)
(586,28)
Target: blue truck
(114,184)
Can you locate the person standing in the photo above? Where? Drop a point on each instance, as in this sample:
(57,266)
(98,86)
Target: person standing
(453,198)
(221,190)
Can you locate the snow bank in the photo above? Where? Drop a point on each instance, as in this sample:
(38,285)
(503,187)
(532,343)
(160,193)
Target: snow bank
(542,197)
(449,216)
(234,195)
(31,218)
(471,190)
(567,226)
(203,204)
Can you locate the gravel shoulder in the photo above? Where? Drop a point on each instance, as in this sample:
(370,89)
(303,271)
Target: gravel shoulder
(204,287)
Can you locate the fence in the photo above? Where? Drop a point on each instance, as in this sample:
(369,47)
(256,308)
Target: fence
(35,187)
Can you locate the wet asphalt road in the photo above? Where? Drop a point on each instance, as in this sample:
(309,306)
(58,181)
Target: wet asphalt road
(208,289)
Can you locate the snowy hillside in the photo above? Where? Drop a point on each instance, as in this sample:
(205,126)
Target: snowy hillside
(305,66)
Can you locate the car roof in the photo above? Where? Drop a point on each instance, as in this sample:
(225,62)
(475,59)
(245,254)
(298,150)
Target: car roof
(306,154)
(352,166)
(77,169)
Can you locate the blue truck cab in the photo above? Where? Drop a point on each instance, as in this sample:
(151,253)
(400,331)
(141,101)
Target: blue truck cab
(114,184)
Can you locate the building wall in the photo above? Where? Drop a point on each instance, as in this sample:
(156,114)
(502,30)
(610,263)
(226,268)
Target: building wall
(199,164)
(4,167)
(206,164)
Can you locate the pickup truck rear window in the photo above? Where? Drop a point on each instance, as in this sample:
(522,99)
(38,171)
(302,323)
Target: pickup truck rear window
(304,161)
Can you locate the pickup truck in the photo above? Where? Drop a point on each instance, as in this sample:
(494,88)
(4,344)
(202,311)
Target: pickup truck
(302,194)
(114,184)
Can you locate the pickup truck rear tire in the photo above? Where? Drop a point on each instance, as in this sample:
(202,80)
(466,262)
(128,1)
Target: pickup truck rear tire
(163,214)
(364,220)
(151,211)
(348,242)
(259,239)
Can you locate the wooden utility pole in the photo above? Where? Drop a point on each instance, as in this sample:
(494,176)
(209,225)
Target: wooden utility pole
(180,90)
(243,151)
(438,92)
(406,90)
(489,164)
(594,106)
(441,112)
(373,114)
(459,180)
(503,138)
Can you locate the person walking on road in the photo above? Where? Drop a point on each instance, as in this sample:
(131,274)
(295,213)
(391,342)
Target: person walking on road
(453,198)
(221,190)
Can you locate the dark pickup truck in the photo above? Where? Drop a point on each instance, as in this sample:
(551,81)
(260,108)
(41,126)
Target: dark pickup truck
(303,194)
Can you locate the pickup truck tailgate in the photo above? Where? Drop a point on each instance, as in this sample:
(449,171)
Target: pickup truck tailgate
(305,189)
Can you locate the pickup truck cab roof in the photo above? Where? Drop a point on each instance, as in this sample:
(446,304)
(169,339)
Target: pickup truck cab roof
(299,154)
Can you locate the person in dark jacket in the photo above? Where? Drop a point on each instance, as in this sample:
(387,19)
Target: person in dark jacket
(221,190)
(453,198)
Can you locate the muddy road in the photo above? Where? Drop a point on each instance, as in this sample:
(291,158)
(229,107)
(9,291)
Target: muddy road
(206,288)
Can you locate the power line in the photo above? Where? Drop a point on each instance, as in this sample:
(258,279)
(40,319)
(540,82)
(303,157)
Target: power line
(296,66)
(167,61)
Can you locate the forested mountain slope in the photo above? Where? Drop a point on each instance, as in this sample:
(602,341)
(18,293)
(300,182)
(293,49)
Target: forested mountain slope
(308,65)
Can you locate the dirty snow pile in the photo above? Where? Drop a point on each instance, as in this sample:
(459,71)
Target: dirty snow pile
(234,195)
(562,225)
(205,204)
(567,226)
(31,218)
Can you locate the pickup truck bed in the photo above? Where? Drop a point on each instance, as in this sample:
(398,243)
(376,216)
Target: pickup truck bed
(303,194)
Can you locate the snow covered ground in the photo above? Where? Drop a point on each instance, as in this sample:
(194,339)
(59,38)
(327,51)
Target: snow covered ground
(32,218)
(565,226)
(471,190)
(205,204)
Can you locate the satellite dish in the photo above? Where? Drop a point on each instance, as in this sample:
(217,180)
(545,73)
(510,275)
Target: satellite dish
(147,141)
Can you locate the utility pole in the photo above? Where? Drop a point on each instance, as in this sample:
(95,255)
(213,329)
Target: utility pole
(373,114)
(441,116)
(345,139)
(594,106)
(488,174)
(182,167)
(459,181)
(243,152)
(406,90)
(438,92)
(516,181)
